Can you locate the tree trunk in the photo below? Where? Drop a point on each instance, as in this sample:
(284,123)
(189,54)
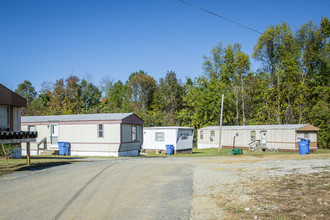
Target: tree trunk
(278,100)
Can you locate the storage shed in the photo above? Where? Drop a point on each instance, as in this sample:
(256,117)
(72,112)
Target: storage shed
(156,138)
(110,134)
(274,137)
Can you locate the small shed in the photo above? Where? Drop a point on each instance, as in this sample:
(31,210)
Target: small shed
(156,138)
(277,137)
(109,134)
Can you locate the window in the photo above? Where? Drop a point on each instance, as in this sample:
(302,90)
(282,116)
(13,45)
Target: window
(134,133)
(253,136)
(184,136)
(100,130)
(201,135)
(159,136)
(306,134)
(32,128)
(212,135)
(53,134)
(4,118)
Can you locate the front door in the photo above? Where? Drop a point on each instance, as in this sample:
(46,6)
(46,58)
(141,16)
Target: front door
(263,138)
(53,135)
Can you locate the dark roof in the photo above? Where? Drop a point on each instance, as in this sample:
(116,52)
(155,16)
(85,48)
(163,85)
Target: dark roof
(11,98)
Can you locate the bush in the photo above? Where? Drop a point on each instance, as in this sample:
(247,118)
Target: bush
(8,147)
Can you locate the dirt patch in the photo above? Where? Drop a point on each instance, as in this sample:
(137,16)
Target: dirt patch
(288,197)
(286,188)
(259,158)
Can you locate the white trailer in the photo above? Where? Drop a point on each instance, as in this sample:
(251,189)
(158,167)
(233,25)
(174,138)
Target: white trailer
(156,138)
(108,134)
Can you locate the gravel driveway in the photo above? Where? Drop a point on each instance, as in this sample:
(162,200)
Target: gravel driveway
(132,188)
(147,188)
(227,183)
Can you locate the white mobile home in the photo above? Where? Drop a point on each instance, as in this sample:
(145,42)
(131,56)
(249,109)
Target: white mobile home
(110,134)
(156,138)
(279,137)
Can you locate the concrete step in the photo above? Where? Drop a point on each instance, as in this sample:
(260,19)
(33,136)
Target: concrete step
(49,152)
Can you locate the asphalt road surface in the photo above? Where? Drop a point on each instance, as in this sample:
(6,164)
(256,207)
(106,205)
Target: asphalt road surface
(133,188)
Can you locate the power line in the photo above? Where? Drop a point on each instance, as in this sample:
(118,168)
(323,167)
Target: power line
(212,13)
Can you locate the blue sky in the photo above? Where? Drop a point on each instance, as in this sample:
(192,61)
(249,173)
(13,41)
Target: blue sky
(45,40)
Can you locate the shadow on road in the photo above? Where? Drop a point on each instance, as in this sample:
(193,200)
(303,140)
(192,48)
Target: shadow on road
(40,166)
(54,157)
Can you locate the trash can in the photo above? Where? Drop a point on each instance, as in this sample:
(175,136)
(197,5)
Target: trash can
(303,146)
(238,151)
(230,152)
(67,149)
(169,149)
(62,148)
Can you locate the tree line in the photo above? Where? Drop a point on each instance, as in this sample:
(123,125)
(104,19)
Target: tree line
(291,86)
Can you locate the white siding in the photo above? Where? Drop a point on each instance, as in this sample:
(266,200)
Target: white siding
(89,133)
(207,141)
(150,143)
(172,136)
(311,136)
(82,137)
(281,139)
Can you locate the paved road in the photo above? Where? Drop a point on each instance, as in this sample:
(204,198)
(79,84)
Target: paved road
(133,188)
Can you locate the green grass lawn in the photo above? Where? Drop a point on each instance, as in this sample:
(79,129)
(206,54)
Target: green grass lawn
(323,151)
(212,152)
(37,162)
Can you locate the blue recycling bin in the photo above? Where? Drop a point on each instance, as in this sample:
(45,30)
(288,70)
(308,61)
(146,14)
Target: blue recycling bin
(169,149)
(67,148)
(61,146)
(303,146)
(64,148)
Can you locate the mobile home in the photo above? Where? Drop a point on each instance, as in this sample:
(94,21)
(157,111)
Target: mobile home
(277,137)
(11,105)
(110,134)
(156,138)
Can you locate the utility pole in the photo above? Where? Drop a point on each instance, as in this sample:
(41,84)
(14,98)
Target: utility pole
(220,129)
